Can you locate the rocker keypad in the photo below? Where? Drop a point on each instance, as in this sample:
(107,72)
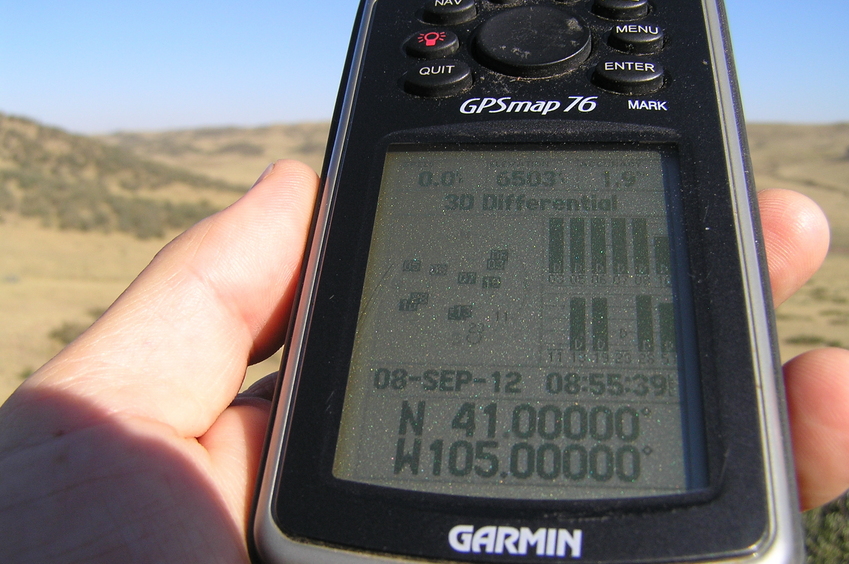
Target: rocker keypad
(542,40)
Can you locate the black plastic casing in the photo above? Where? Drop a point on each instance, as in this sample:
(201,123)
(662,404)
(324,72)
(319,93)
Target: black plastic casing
(748,510)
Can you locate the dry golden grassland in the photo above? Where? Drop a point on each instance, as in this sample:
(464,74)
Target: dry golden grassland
(50,280)
(53,282)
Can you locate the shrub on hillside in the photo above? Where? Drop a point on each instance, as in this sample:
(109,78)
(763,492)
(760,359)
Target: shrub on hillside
(7,199)
(185,214)
(143,218)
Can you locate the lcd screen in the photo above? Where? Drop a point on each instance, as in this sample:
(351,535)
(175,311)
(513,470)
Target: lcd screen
(525,328)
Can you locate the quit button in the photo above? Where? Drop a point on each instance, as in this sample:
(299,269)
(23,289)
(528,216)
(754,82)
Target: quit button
(438,78)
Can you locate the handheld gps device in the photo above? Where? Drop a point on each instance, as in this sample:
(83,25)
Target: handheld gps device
(534,323)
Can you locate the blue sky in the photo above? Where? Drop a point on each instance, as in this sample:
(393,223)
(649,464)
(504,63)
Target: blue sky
(94,66)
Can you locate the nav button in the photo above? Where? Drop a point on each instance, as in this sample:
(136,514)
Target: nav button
(439,78)
(629,77)
(449,12)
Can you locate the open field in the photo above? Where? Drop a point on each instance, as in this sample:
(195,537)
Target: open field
(48,279)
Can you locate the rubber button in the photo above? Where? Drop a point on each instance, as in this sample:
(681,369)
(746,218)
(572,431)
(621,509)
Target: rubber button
(533,41)
(640,38)
(433,44)
(621,9)
(441,78)
(629,77)
(449,12)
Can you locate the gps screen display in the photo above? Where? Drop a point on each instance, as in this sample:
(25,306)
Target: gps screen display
(525,328)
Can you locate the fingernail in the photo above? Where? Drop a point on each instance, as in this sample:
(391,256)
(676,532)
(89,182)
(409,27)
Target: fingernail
(265,173)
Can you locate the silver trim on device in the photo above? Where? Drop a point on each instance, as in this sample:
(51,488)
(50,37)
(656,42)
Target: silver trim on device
(780,545)
(270,542)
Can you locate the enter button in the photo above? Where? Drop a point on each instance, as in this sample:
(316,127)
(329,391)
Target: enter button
(629,77)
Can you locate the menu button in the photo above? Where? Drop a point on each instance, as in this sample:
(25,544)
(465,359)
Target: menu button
(638,38)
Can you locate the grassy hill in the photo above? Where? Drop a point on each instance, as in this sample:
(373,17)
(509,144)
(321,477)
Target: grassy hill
(230,154)
(73,182)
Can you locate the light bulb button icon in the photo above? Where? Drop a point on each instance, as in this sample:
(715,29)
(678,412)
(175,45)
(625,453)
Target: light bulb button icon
(432,44)
(431,38)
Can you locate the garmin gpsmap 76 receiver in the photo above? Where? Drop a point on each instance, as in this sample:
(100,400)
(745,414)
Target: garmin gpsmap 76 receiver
(534,323)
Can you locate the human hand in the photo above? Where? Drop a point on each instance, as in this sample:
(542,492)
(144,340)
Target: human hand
(128,447)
